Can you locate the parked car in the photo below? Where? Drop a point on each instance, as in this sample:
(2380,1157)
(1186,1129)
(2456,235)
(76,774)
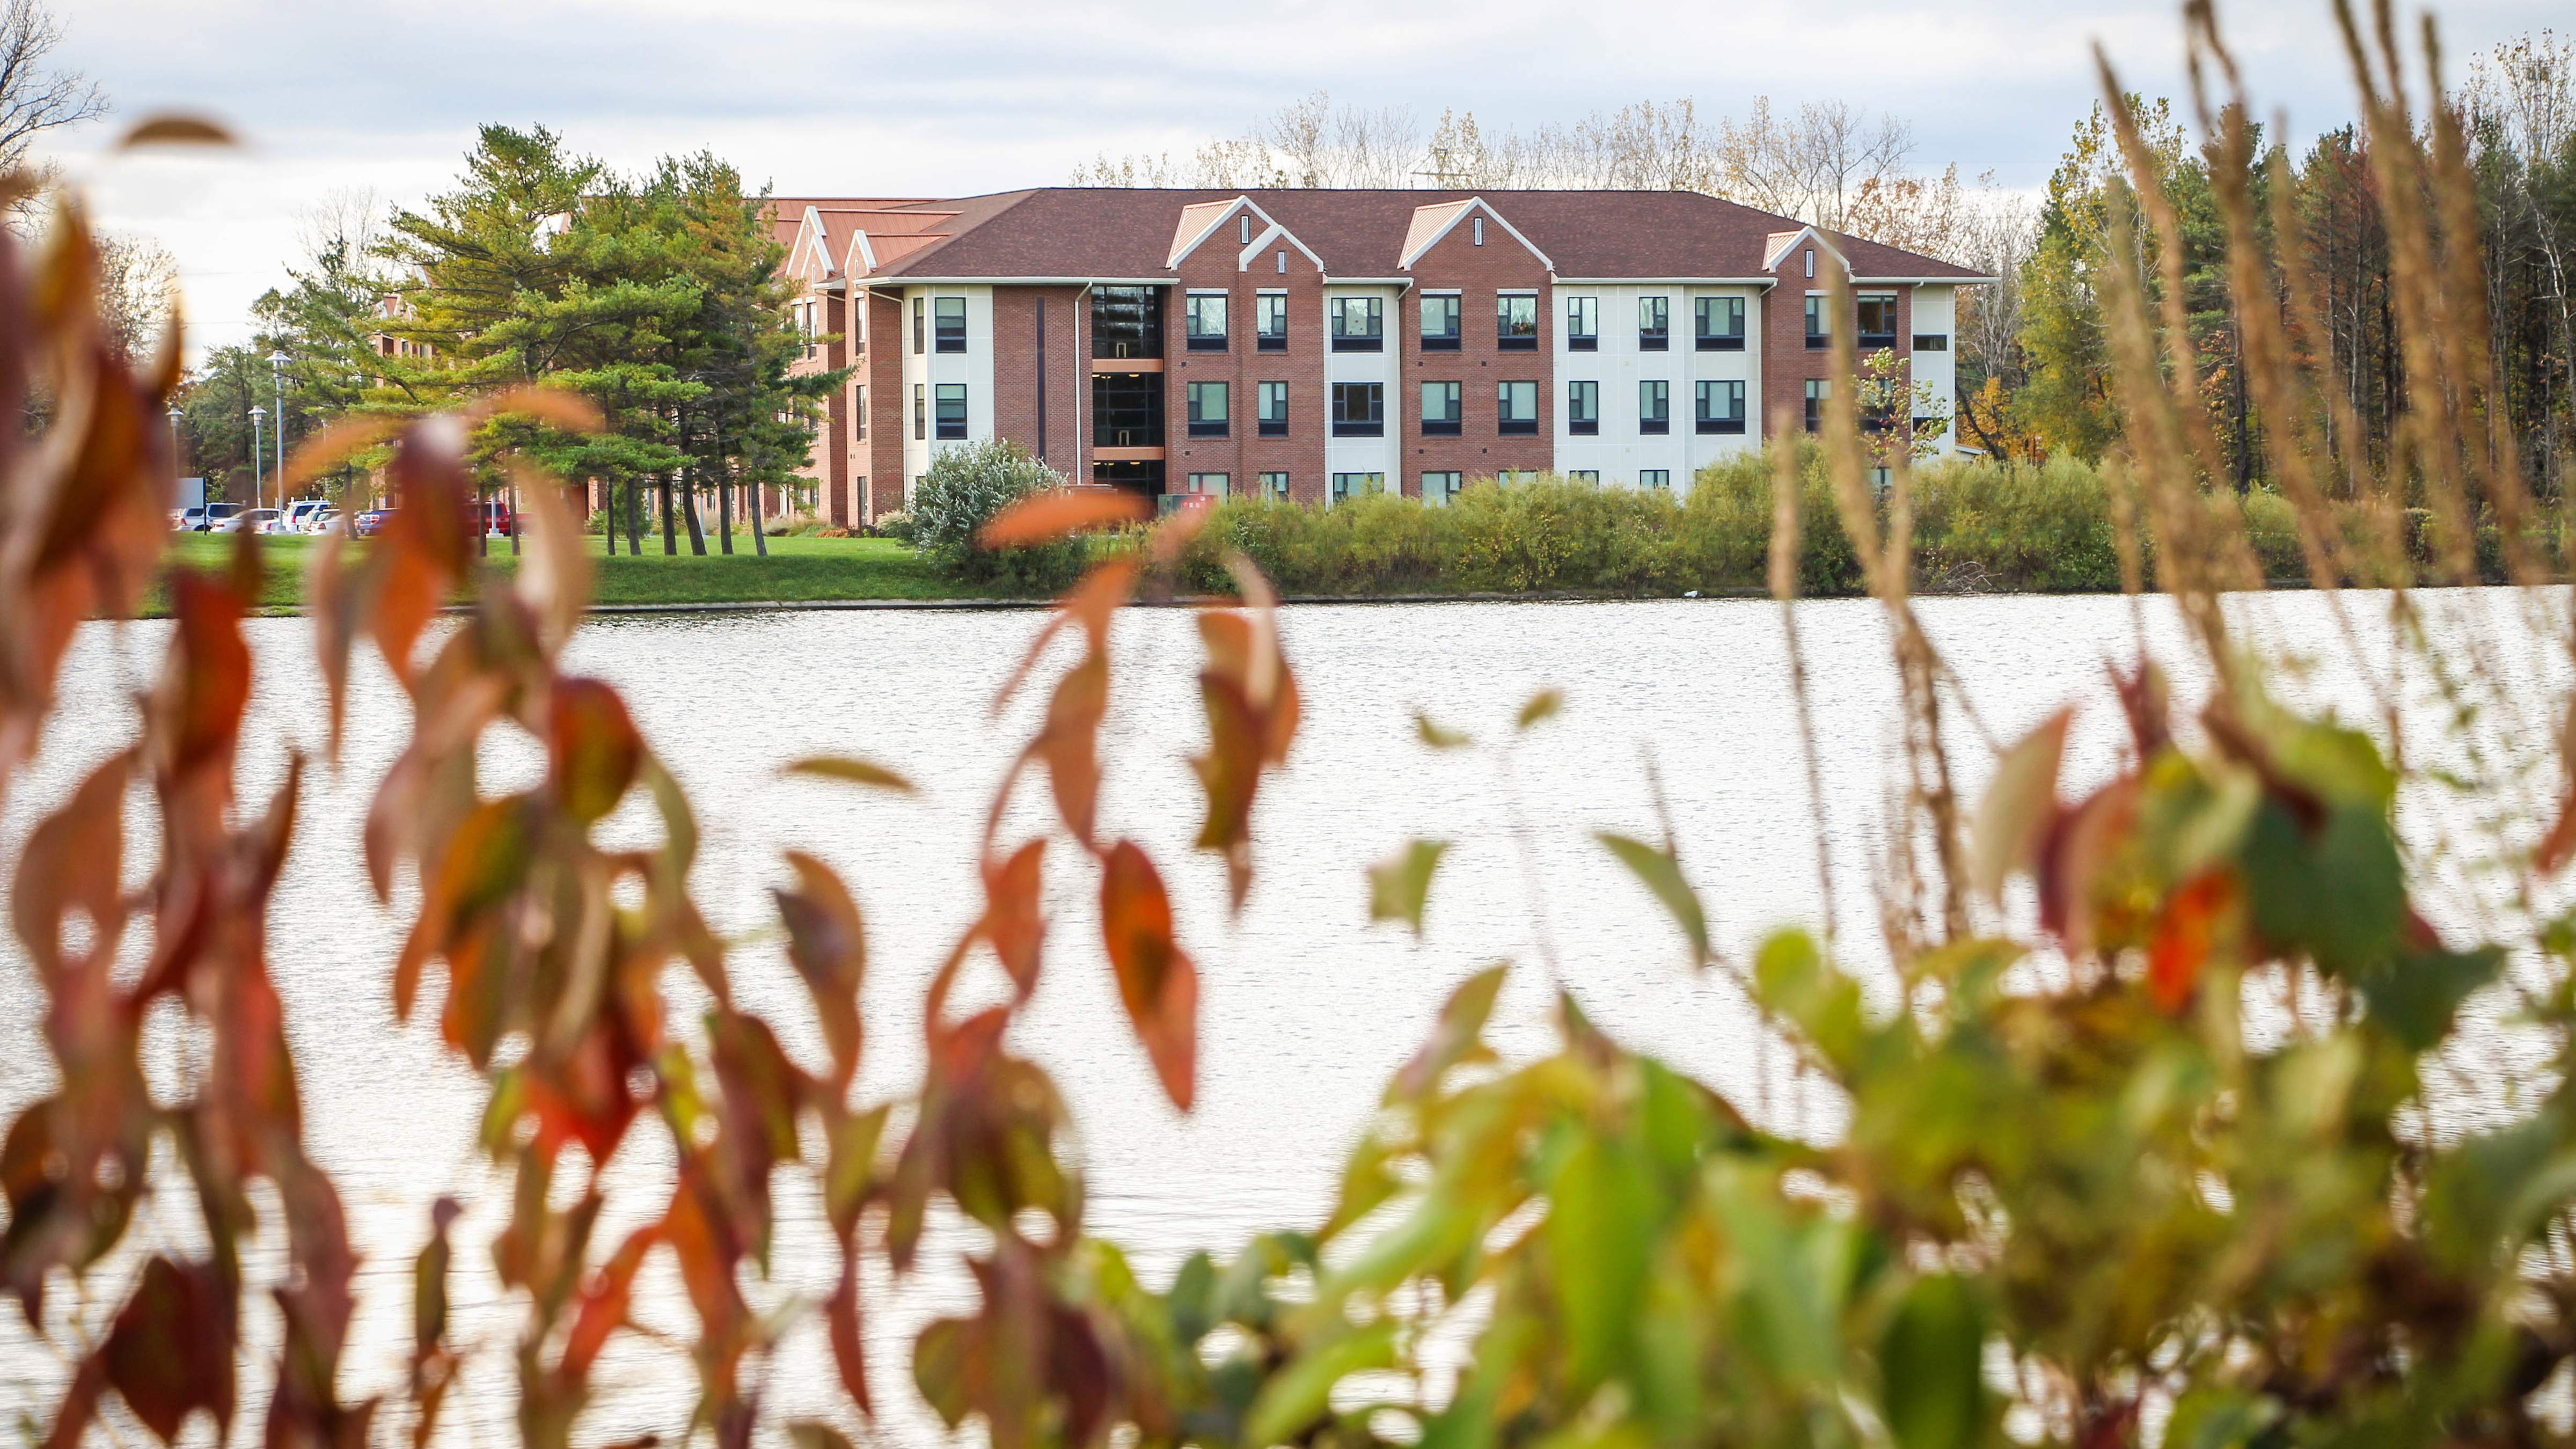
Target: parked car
(496,517)
(301,513)
(248,520)
(370,523)
(322,522)
(210,518)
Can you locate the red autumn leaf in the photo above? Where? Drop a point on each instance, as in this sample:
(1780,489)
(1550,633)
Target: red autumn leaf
(70,862)
(2560,842)
(592,749)
(1156,980)
(2184,935)
(171,1350)
(602,1306)
(828,945)
(849,1342)
(208,679)
(1014,915)
(1069,744)
(1056,514)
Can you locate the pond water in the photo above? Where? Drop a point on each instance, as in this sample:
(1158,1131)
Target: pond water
(1305,1007)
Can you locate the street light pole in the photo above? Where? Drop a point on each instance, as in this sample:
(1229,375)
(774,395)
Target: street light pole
(277,372)
(178,465)
(258,455)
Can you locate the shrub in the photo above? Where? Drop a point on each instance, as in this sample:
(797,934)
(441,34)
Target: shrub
(899,526)
(964,488)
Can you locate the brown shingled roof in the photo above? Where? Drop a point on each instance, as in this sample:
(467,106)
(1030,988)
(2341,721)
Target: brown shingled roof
(1121,233)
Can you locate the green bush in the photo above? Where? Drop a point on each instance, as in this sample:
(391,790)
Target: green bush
(965,487)
(900,526)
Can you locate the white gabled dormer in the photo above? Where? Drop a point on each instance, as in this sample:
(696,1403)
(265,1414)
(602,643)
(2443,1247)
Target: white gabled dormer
(1436,221)
(1781,243)
(1243,225)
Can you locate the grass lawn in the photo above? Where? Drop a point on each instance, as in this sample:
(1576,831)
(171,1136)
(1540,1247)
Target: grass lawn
(797,570)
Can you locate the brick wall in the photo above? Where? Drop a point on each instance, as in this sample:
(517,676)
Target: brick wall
(1787,363)
(1477,273)
(883,455)
(1243,455)
(1018,360)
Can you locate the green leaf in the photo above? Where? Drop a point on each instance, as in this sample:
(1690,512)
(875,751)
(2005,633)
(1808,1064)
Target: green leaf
(1662,874)
(1930,1363)
(1297,1396)
(850,771)
(1542,705)
(1601,1232)
(2414,996)
(1436,737)
(2019,805)
(1400,884)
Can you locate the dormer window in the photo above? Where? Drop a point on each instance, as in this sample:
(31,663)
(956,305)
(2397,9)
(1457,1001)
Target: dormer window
(1476,230)
(1243,229)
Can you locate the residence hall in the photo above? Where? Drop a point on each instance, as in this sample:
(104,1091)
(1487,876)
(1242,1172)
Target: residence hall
(1316,345)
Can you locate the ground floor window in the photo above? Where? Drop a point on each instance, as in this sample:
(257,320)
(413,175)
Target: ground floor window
(1211,483)
(1357,485)
(1585,475)
(1275,486)
(1655,478)
(1440,487)
(1818,389)
(1509,476)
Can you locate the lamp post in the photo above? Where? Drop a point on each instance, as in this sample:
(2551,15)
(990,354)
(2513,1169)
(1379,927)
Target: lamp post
(277,374)
(258,454)
(178,465)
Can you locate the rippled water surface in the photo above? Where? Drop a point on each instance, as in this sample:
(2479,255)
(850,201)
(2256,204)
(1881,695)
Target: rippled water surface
(1305,1009)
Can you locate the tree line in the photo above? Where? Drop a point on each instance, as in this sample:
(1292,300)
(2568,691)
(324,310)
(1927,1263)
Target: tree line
(2033,363)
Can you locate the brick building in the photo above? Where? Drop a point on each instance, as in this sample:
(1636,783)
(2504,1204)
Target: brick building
(1315,344)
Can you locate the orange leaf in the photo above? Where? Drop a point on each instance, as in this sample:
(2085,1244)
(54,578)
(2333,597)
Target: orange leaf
(1059,513)
(1014,917)
(849,1345)
(1070,742)
(2561,840)
(828,945)
(2184,936)
(592,748)
(603,1302)
(1156,981)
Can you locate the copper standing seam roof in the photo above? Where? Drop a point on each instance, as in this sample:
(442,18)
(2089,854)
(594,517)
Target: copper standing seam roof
(1120,233)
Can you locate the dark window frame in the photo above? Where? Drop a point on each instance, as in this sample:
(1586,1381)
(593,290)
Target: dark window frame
(1193,395)
(1344,340)
(921,412)
(859,410)
(1661,422)
(1263,304)
(1816,402)
(1452,425)
(1732,421)
(1193,339)
(1818,309)
(1371,426)
(1867,340)
(944,428)
(1448,341)
(1704,340)
(1505,338)
(1582,397)
(1266,425)
(1505,423)
(1931,342)
(941,337)
(1586,337)
(1658,338)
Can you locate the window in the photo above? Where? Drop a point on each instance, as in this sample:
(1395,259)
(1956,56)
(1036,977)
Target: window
(1516,321)
(920,412)
(1582,324)
(1275,486)
(1516,407)
(1819,331)
(1476,229)
(1357,485)
(1205,321)
(1655,478)
(1243,229)
(1509,476)
(1931,342)
(859,410)
(1212,484)
(1440,409)
(1811,264)
(1208,409)
(1654,406)
(948,317)
(1718,325)
(1439,488)
(1439,321)
(1585,475)
(1721,408)
(1582,408)
(1654,324)
(1270,401)
(1270,321)
(1359,410)
(1127,410)
(1878,319)
(1359,324)
(917,305)
(1282,267)
(1818,389)
(951,407)
(1127,322)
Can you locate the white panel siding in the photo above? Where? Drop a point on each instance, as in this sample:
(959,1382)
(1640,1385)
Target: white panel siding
(1365,455)
(1936,312)
(1620,451)
(929,368)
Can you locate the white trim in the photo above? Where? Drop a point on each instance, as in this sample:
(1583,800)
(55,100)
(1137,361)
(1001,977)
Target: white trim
(861,251)
(1261,243)
(1473,205)
(813,222)
(900,279)
(1922,281)
(1771,258)
(1182,251)
(1368,281)
(1666,281)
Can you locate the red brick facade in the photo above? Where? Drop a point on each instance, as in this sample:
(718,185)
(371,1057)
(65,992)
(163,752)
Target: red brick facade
(1479,275)
(1243,455)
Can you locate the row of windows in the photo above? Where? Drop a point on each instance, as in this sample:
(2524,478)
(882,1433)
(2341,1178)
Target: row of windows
(1438,486)
(1359,408)
(1359,323)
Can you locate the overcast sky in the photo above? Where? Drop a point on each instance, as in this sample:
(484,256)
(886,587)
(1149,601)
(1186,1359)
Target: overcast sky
(952,97)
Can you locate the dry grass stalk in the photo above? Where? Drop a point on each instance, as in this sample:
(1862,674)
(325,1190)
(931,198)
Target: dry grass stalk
(1784,587)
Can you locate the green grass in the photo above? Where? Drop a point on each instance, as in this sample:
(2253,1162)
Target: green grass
(798,570)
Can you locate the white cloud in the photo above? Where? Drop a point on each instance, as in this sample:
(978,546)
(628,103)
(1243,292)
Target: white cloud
(957,96)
